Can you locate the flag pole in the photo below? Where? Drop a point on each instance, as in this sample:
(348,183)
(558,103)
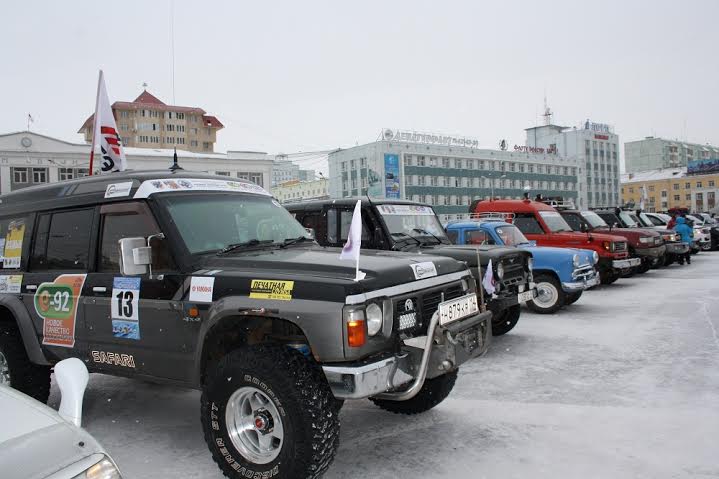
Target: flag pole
(482,306)
(94,123)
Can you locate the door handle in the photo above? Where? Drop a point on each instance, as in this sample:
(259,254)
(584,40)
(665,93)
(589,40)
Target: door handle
(99,289)
(31,287)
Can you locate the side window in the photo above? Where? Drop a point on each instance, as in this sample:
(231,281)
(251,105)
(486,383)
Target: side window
(528,224)
(345,221)
(62,241)
(12,237)
(332,226)
(453,236)
(574,221)
(116,226)
(475,237)
(656,221)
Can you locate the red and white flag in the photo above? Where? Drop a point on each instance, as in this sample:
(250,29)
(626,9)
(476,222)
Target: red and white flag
(351,249)
(105,134)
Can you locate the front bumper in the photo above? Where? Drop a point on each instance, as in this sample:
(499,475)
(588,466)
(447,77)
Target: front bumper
(449,347)
(622,264)
(654,252)
(586,283)
(677,248)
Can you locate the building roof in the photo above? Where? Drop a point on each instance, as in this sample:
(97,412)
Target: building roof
(654,175)
(147,99)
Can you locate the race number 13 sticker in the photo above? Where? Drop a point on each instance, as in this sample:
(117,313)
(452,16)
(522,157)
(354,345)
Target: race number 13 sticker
(124,308)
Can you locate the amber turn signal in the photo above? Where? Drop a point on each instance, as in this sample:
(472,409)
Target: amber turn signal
(193,312)
(356,335)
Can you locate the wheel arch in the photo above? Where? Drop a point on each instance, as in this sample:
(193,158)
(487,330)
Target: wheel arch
(12,310)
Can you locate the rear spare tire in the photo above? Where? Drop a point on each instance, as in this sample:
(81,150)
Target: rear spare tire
(268,411)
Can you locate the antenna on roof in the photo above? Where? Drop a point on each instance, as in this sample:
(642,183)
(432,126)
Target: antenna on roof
(175,166)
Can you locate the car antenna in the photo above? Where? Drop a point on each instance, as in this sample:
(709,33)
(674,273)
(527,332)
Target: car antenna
(175,166)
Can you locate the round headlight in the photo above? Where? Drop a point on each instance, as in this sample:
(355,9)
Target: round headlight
(595,257)
(530,264)
(575,260)
(374,319)
(500,271)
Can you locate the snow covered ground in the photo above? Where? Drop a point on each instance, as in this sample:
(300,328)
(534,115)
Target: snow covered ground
(625,383)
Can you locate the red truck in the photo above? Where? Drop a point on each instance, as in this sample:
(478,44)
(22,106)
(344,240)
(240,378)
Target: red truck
(541,223)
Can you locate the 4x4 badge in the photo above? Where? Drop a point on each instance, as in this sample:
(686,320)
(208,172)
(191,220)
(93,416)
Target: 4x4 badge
(56,303)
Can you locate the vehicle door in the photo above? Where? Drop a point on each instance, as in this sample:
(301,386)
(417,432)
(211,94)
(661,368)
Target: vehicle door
(532,228)
(55,282)
(136,324)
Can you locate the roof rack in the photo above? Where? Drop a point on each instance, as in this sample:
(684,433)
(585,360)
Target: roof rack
(492,216)
(561,204)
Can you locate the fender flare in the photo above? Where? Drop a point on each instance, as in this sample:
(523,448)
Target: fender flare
(26,327)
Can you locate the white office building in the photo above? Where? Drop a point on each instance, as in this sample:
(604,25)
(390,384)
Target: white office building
(293,191)
(447,172)
(595,149)
(28,158)
(658,153)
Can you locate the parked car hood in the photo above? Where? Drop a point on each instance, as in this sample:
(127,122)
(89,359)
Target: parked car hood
(631,234)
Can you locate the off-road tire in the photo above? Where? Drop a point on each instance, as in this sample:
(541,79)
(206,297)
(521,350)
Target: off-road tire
(505,321)
(300,393)
(572,298)
(433,392)
(553,283)
(25,376)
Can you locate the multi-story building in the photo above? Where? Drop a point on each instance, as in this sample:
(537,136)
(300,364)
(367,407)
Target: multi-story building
(306,175)
(296,190)
(695,187)
(284,170)
(28,159)
(147,122)
(658,153)
(446,172)
(595,148)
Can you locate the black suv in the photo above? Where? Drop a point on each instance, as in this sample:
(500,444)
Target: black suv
(205,282)
(409,226)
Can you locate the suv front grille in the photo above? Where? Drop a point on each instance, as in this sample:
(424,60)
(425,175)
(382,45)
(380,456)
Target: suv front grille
(620,246)
(514,270)
(413,312)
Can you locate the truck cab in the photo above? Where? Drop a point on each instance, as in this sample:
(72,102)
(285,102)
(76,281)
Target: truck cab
(541,223)
(561,274)
(397,225)
(644,244)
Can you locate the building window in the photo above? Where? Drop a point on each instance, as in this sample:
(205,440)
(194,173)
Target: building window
(222,173)
(664,193)
(676,197)
(193,142)
(39,175)
(180,116)
(675,186)
(206,145)
(65,173)
(651,188)
(687,185)
(688,197)
(420,161)
(699,184)
(19,175)
(711,184)
(459,163)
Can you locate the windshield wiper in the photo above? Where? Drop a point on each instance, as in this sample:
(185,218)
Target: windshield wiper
(290,241)
(244,244)
(408,237)
(425,232)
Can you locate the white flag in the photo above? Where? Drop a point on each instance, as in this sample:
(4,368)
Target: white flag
(105,133)
(351,249)
(488,280)
(642,200)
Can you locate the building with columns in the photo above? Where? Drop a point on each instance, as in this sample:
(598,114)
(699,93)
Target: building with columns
(29,158)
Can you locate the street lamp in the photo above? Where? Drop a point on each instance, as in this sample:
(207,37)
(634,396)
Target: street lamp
(491,182)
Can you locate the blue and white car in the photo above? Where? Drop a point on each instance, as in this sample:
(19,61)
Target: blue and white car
(560,274)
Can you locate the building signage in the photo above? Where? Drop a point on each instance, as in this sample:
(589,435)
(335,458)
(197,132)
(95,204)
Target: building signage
(428,138)
(598,127)
(601,137)
(391,176)
(552,150)
(697,167)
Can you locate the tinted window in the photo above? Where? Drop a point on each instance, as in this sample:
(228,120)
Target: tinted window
(118,226)
(332,226)
(528,224)
(63,241)
(346,221)
(573,221)
(475,237)
(453,236)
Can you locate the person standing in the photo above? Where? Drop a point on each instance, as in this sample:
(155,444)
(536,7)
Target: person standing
(687,233)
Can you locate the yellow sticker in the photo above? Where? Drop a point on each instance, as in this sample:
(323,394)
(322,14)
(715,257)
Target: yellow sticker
(271,289)
(13,244)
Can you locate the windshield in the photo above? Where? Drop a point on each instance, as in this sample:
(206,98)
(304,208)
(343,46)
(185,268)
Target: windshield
(627,219)
(696,219)
(413,221)
(645,220)
(554,221)
(511,235)
(211,222)
(594,219)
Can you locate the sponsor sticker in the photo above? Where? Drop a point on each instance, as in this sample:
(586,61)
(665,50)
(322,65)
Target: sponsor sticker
(150,187)
(405,210)
(271,289)
(424,270)
(124,308)
(113,359)
(13,244)
(116,190)
(201,289)
(56,303)
(10,283)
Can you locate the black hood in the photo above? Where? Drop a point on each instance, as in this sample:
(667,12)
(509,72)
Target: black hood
(468,253)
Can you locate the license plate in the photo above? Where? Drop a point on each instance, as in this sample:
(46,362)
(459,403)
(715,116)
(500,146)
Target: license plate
(459,308)
(526,296)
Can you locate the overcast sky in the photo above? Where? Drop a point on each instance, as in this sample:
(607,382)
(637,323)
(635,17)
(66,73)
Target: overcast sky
(303,76)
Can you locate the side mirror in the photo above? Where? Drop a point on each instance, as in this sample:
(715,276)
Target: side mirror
(71,376)
(311,232)
(135,256)
(583,228)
